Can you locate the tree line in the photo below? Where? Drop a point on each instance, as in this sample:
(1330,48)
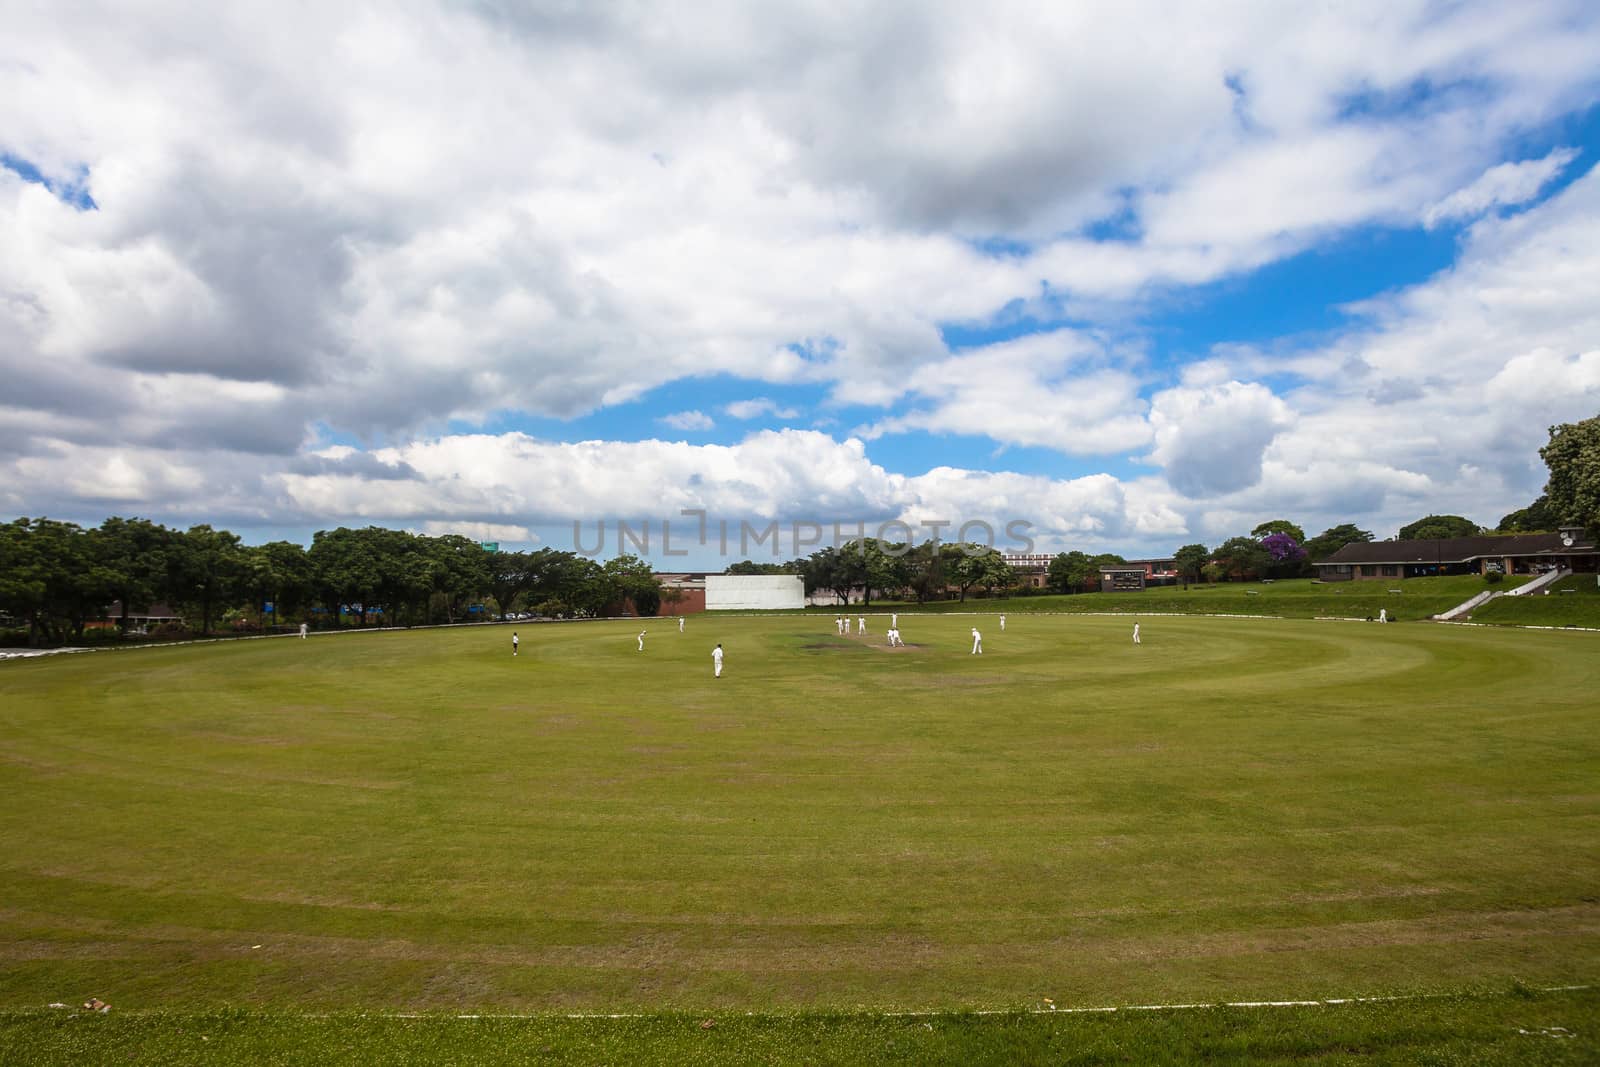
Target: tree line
(896,570)
(57,578)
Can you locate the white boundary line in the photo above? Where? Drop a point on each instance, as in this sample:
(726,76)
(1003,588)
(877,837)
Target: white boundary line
(21,654)
(1326,1002)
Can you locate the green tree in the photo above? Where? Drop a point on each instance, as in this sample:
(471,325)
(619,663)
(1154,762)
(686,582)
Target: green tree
(633,578)
(1573,457)
(1333,539)
(586,587)
(927,567)
(279,571)
(1280,526)
(1190,560)
(22,580)
(460,572)
(558,583)
(136,551)
(53,576)
(206,569)
(345,569)
(1071,572)
(511,574)
(996,573)
(829,570)
(963,566)
(891,568)
(563,583)
(750,567)
(1432,527)
(1537,517)
(1241,558)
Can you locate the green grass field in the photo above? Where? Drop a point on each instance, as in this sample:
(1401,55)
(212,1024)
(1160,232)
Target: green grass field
(386,822)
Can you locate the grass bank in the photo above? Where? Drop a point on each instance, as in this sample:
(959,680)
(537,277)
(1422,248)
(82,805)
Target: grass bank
(1525,1029)
(1572,601)
(1302,598)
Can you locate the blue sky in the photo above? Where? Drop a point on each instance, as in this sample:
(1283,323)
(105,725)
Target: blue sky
(1330,266)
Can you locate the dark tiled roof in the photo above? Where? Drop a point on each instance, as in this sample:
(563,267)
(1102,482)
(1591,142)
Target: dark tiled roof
(1455,549)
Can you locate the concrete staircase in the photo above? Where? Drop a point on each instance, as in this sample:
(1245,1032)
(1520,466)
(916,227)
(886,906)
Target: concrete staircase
(1466,607)
(1547,578)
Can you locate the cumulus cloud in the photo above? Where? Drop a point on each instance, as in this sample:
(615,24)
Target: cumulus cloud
(689,420)
(290,205)
(754,409)
(378,223)
(1210,440)
(1052,389)
(480,531)
(1505,185)
(1441,396)
(788,475)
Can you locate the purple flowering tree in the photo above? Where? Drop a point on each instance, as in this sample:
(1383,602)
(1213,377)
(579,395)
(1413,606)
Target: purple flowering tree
(1287,554)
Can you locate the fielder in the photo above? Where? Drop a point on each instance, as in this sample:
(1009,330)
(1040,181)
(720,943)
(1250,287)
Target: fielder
(1383,614)
(1002,624)
(302,631)
(894,620)
(838,625)
(1136,633)
(861,624)
(847,626)
(680,624)
(716,662)
(513,642)
(641,639)
(977,642)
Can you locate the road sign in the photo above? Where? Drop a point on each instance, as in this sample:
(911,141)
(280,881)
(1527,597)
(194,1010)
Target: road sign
(489,546)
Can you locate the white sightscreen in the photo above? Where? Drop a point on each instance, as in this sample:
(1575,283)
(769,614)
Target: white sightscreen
(733,592)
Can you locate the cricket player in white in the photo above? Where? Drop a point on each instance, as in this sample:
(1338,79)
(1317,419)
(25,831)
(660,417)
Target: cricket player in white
(513,642)
(641,639)
(977,642)
(716,662)
(1002,624)
(838,624)
(680,624)
(302,631)
(861,624)
(894,620)
(847,626)
(1383,614)
(1136,633)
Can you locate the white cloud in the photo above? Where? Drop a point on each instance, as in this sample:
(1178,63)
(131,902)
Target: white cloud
(785,475)
(480,531)
(1210,441)
(754,409)
(289,205)
(364,222)
(1051,389)
(1505,185)
(1440,398)
(689,420)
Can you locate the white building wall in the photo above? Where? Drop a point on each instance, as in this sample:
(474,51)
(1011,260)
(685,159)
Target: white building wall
(758,592)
